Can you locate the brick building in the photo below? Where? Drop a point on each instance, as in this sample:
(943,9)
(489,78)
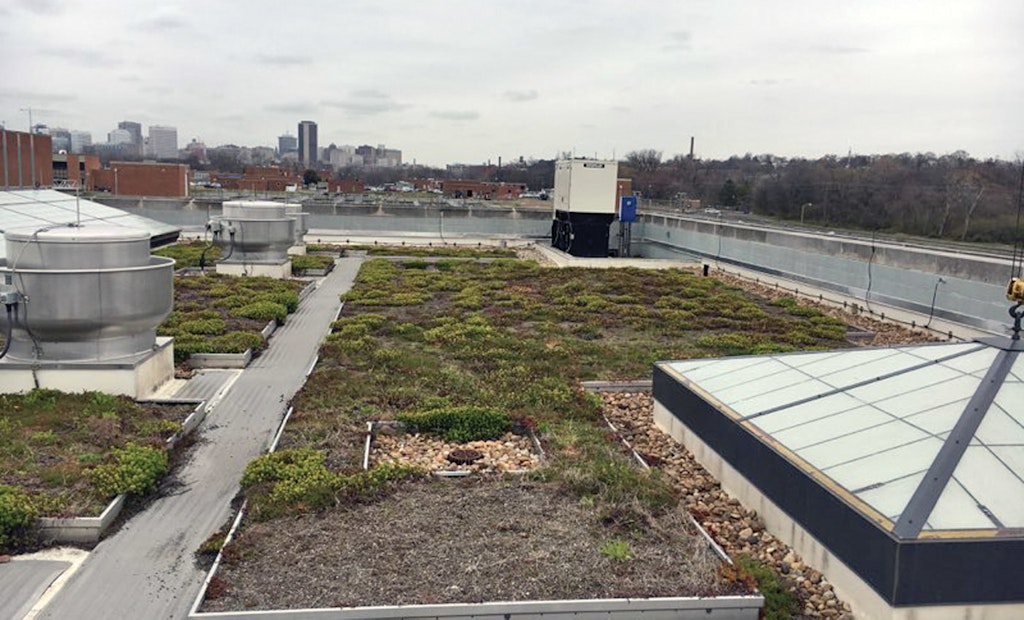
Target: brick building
(142,179)
(25,159)
(258,179)
(486,190)
(75,170)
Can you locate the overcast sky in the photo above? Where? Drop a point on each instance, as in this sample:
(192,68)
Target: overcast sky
(472,80)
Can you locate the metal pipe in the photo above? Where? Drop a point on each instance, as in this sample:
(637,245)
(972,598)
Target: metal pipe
(10,330)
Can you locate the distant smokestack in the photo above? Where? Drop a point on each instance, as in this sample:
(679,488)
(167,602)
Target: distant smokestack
(499,161)
(691,147)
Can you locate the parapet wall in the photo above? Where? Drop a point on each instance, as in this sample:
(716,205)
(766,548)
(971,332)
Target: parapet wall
(966,288)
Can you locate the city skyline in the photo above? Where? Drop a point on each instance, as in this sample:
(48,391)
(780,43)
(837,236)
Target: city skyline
(791,79)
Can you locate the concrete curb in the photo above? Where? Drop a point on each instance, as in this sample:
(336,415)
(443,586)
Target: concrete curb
(220,360)
(680,608)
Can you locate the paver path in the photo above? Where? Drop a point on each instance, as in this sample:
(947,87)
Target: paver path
(146,570)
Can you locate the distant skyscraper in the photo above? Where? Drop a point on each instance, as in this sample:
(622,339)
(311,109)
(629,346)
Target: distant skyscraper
(163,142)
(135,129)
(119,136)
(80,140)
(287,144)
(307,143)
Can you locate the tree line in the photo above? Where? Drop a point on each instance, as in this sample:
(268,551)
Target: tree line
(950,196)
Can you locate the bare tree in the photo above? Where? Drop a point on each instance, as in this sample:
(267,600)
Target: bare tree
(644,160)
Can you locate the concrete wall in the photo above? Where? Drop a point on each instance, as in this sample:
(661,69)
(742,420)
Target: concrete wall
(972,290)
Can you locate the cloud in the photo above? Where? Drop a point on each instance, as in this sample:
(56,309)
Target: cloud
(129,79)
(679,40)
(290,108)
(370,94)
(165,18)
(81,56)
(42,7)
(283,60)
(764,82)
(621,108)
(25,95)
(366,103)
(520,96)
(830,48)
(456,115)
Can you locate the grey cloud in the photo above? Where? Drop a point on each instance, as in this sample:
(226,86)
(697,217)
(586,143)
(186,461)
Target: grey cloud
(129,79)
(764,82)
(80,56)
(25,95)
(839,49)
(42,7)
(456,115)
(620,108)
(166,21)
(283,60)
(290,108)
(371,94)
(679,40)
(366,103)
(519,96)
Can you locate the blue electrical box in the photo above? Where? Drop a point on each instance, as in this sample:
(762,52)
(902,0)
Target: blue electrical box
(627,209)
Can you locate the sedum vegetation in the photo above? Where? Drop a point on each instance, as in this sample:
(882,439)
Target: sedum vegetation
(70,454)
(510,340)
(216,313)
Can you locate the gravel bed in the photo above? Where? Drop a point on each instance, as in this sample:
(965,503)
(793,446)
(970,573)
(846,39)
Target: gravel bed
(735,528)
(509,453)
(463,540)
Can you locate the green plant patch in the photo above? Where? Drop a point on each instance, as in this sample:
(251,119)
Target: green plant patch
(453,251)
(188,253)
(69,454)
(217,313)
(779,602)
(461,424)
(311,261)
(297,480)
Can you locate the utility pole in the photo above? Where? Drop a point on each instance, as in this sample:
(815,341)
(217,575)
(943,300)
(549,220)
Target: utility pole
(31,148)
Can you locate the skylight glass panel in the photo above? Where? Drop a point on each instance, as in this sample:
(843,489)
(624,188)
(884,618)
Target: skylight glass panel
(992,484)
(749,382)
(939,351)
(940,420)
(44,208)
(807,412)
(849,360)
(999,428)
(871,440)
(973,363)
(872,370)
(957,510)
(927,392)
(891,498)
(724,367)
(808,388)
(832,427)
(876,469)
(877,391)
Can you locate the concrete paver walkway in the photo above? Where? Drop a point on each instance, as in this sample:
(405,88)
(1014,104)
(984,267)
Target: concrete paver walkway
(146,570)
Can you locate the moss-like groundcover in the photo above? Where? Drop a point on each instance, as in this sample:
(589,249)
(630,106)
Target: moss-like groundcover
(417,337)
(70,454)
(216,313)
